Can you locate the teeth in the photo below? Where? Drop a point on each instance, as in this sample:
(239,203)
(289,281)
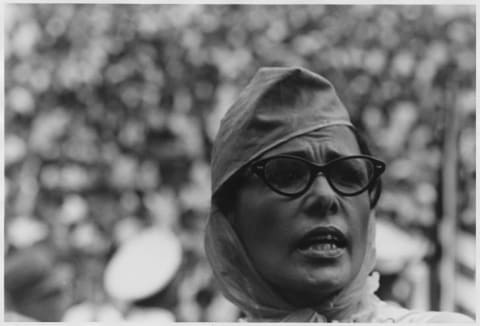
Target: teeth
(323,246)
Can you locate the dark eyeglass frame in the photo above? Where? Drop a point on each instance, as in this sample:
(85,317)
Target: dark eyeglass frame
(258,168)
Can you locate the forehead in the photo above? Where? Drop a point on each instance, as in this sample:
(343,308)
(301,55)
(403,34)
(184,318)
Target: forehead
(322,144)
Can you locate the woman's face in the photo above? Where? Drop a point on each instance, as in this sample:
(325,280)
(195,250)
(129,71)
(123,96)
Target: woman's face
(288,238)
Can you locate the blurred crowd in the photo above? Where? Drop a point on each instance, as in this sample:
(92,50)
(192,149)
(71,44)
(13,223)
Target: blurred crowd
(111,110)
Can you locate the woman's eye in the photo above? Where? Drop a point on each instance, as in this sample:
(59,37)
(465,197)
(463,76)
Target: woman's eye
(286,172)
(288,175)
(351,175)
(348,173)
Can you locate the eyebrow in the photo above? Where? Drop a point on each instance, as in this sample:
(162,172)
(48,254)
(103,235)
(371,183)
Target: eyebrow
(331,154)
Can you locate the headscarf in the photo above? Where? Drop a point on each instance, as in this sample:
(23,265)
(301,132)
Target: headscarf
(276,106)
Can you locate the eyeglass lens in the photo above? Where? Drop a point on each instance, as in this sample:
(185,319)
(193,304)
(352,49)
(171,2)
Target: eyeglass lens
(351,175)
(348,175)
(287,175)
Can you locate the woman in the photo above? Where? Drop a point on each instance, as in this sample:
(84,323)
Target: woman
(291,231)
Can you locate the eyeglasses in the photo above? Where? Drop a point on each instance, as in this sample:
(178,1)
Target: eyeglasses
(292,176)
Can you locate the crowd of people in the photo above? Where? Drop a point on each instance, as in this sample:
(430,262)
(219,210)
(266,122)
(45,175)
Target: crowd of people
(110,114)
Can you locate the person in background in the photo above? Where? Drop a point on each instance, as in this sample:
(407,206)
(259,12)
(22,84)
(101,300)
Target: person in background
(37,285)
(140,280)
(291,231)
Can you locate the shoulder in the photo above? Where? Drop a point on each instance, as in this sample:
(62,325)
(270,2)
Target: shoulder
(390,312)
(435,317)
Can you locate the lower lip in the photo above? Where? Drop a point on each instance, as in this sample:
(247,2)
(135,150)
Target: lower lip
(322,252)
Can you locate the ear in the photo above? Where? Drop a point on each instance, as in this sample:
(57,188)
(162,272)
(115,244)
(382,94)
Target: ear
(230,217)
(371,197)
(374,193)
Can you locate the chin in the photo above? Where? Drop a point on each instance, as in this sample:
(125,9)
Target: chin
(327,281)
(309,287)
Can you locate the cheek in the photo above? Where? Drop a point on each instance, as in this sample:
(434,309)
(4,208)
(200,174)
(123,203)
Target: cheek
(253,211)
(358,211)
(358,214)
(262,219)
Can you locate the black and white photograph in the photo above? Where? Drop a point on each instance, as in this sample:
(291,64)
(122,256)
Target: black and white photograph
(230,162)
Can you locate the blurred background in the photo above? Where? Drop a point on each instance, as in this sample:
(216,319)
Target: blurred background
(110,114)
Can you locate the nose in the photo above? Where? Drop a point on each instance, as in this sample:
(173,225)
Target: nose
(321,198)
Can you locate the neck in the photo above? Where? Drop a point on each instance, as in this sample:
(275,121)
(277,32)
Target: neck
(341,313)
(342,306)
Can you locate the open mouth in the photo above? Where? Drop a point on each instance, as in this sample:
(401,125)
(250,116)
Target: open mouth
(323,242)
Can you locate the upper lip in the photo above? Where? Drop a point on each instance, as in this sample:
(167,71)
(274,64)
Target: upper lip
(328,233)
